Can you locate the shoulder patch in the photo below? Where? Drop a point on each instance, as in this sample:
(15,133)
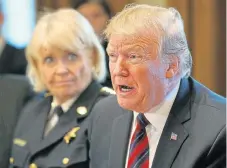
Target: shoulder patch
(107,90)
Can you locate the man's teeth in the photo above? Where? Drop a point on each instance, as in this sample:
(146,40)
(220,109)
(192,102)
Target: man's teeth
(125,88)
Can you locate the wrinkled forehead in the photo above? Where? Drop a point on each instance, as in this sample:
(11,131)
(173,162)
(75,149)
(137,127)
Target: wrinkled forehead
(139,41)
(54,46)
(52,50)
(48,49)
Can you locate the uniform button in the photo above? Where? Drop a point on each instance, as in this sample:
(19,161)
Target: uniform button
(81,110)
(65,161)
(33,165)
(11,160)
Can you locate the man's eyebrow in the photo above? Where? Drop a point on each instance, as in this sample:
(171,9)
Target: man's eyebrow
(132,48)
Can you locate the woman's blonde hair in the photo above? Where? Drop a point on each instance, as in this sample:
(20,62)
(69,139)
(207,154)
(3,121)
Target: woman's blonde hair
(68,30)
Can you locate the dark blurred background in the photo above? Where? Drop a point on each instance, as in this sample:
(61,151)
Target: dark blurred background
(205,26)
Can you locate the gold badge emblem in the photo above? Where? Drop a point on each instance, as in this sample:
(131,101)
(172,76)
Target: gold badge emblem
(81,110)
(71,135)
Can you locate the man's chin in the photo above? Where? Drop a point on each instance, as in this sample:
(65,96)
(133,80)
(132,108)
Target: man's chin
(126,104)
(132,105)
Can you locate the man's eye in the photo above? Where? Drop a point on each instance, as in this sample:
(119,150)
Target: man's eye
(135,59)
(72,57)
(112,57)
(133,56)
(49,60)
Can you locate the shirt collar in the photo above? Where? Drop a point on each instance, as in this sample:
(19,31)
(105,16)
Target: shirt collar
(66,105)
(158,115)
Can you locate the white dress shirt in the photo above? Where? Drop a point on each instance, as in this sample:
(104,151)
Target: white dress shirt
(54,120)
(157,117)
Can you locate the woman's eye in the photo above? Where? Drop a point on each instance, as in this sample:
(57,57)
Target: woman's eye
(49,60)
(72,57)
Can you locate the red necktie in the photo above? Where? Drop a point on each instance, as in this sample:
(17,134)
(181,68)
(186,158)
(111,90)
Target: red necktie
(139,147)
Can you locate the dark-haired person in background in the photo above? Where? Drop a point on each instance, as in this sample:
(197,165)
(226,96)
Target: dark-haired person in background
(98,13)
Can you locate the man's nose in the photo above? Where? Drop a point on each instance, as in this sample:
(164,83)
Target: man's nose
(120,68)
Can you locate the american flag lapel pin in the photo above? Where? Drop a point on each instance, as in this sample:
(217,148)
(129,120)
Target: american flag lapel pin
(173,136)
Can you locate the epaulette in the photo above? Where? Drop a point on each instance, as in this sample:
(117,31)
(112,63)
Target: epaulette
(107,90)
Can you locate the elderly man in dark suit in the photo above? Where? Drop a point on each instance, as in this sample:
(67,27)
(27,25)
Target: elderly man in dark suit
(15,91)
(160,117)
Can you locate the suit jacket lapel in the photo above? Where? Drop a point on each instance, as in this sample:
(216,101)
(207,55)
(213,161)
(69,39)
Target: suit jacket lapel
(72,118)
(172,138)
(35,133)
(168,146)
(65,124)
(119,140)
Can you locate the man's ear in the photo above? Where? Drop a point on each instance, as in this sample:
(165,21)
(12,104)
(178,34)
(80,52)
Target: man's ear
(173,67)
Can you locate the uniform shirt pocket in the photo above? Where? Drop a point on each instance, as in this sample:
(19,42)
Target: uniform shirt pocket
(80,154)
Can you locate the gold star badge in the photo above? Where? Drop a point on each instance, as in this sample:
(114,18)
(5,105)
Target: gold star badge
(71,134)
